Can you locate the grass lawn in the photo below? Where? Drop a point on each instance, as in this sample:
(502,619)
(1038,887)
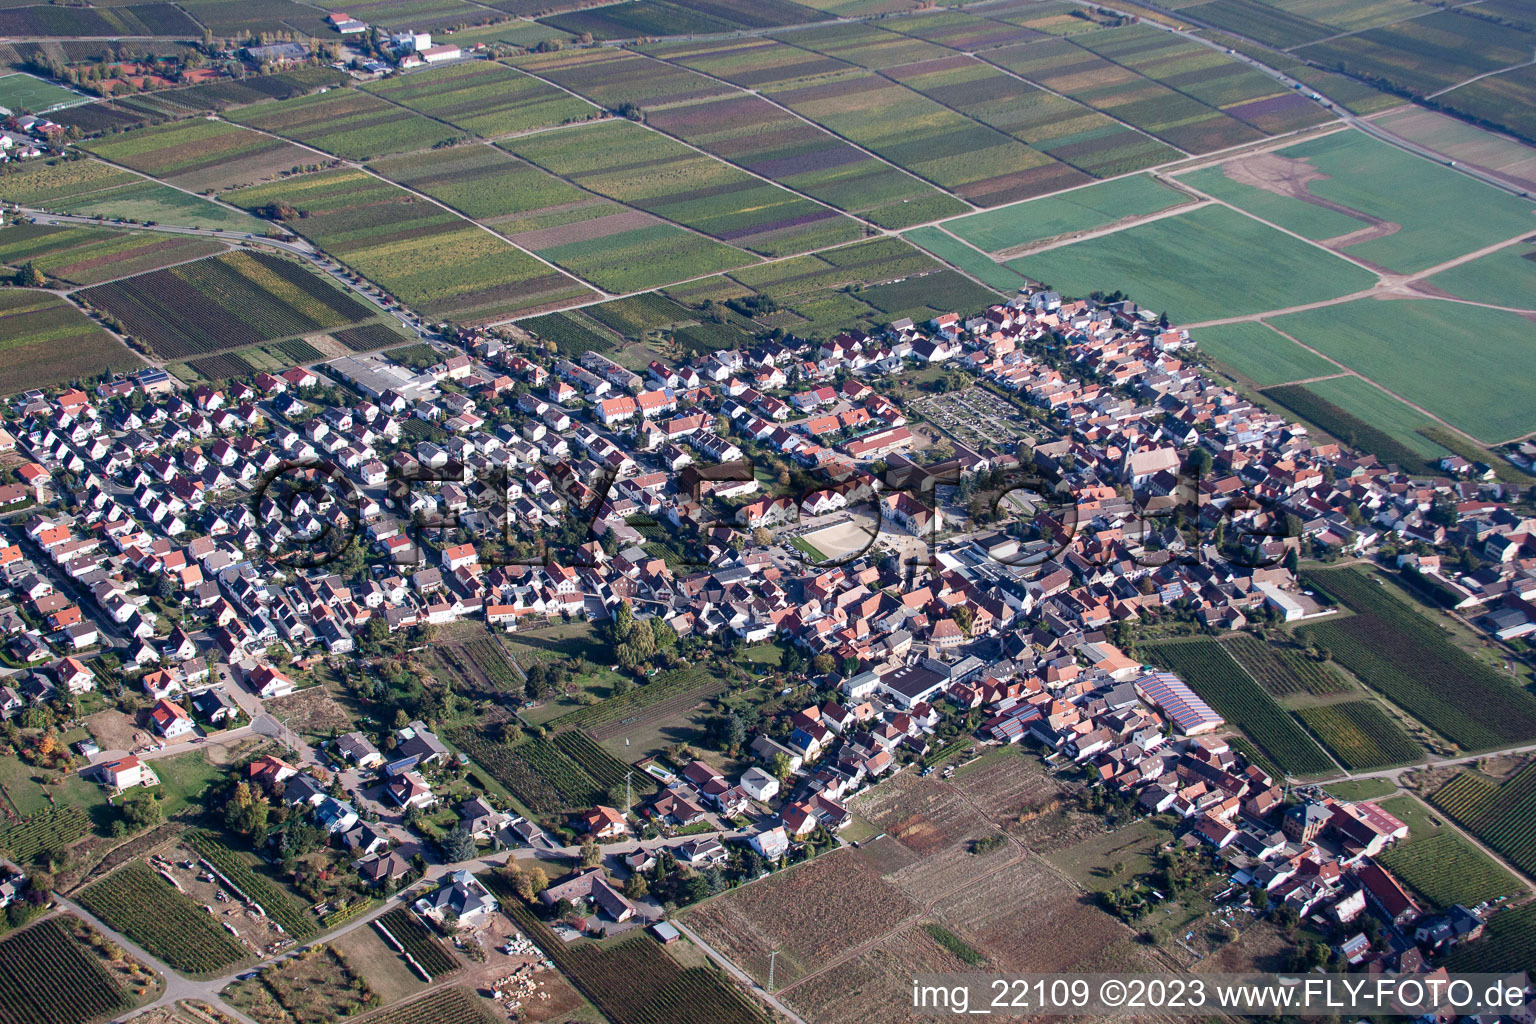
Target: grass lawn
(25,791)
(1467,364)
(1082,209)
(1092,863)
(1197,266)
(808,549)
(768,654)
(1361,789)
(1260,353)
(184,778)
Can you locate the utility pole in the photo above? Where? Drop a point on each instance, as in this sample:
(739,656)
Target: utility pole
(771,957)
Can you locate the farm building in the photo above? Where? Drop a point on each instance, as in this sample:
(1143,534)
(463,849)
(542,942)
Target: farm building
(1170,695)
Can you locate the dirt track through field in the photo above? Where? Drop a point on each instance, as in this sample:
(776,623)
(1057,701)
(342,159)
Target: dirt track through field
(1284,176)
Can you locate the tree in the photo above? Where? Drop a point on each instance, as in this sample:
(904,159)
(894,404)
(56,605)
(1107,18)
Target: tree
(246,811)
(459,844)
(781,767)
(30,277)
(636,887)
(591,854)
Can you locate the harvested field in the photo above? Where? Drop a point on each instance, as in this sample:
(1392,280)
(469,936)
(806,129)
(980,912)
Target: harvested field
(938,824)
(875,985)
(810,913)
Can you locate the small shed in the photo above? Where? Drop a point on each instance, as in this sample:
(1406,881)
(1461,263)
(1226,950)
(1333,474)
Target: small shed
(666,932)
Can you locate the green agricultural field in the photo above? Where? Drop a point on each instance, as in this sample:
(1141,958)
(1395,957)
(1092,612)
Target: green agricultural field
(44,341)
(201,154)
(1207,667)
(1396,443)
(1214,78)
(227,301)
(1284,671)
(604,242)
(429,257)
(1361,735)
(1425,54)
(1261,354)
(1062,128)
(612,77)
(644,169)
(1506,101)
(956,253)
(80,255)
(1091,208)
(633,316)
(1445,869)
(637,20)
(866,45)
(1173,116)
(953,151)
(139,903)
(89,188)
(25,93)
(485,98)
(349,123)
(1503,278)
(1500,814)
(1467,364)
(1424,213)
(1406,657)
(1509,944)
(1197,266)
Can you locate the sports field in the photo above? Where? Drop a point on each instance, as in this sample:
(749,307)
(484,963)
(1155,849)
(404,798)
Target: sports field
(1261,354)
(1467,364)
(1373,201)
(22,92)
(1196,266)
(1083,209)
